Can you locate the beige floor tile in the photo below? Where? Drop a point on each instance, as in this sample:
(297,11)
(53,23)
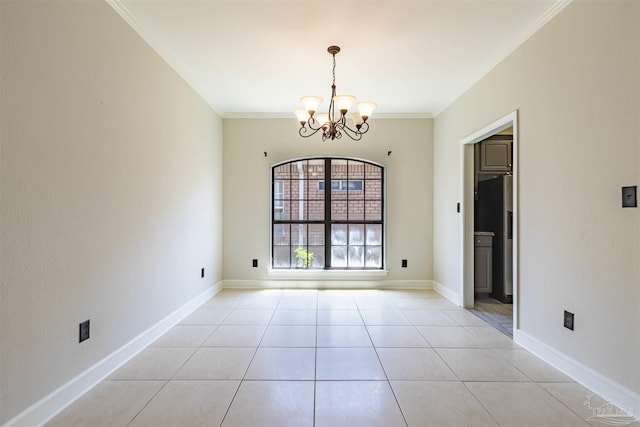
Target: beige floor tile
(396,336)
(188,403)
(336,300)
(356,403)
(373,303)
(343,336)
(110,403)
(277,363)
(384,317)
(429,318)
(289,336)
(340,317)
(418,364)
(491,337)
(272,403)
(294,317)
(217,363)
(185,336)
(249,317)
(440,403)
(423,304)
(348,364)
(589,406)
(206,316)
(533,367)
(236,336)
(524,404)
(450,336)
(465,318)
(258,303)
(154,364)
(309,302)
(474,364)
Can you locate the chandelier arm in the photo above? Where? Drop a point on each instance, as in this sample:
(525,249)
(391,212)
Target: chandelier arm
(364,127)
(354,134)
(303,131)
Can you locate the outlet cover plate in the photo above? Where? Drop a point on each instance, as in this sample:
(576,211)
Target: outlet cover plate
(629,198)
(568,320)
(84,331)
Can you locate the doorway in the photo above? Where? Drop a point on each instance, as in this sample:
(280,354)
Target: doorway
(494,303)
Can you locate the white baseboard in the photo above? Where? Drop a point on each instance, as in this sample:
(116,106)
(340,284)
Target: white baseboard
(327,284)
(613,392)
(48,407)
(452,296)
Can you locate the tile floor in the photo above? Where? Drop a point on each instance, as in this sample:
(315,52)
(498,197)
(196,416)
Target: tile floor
(495,313)
(332,358)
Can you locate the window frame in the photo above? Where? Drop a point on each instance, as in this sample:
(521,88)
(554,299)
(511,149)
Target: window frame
(326,221)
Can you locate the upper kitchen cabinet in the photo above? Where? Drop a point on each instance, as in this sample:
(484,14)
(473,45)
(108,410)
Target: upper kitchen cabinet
(494,154)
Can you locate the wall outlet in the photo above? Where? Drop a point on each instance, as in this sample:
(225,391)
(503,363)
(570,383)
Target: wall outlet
(84,331)
(404,263)
(255,263)
(202,272)
(568,320)
(629,199)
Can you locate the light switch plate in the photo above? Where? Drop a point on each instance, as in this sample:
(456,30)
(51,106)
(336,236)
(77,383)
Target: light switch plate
(629,199)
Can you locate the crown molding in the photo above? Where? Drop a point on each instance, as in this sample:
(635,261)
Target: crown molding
(376,116)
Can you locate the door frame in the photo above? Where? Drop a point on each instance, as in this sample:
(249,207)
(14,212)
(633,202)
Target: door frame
(467,216)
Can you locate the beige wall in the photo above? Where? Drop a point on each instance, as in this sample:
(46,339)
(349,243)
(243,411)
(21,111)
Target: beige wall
(576,85)
(247,190)
(111,191)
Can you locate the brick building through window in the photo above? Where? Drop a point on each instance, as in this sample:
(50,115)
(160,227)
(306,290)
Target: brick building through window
(342,228)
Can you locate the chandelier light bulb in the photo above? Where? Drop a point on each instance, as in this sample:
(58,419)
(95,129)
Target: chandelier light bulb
(303,116)
(343,102)
(357,119)
(311,104)
(366,109)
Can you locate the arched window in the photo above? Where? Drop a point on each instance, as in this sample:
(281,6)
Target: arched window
(316,225)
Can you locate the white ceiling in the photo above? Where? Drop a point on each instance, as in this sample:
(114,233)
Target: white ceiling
(257,57)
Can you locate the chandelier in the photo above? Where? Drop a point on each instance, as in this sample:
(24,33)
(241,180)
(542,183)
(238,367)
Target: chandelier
(332,126)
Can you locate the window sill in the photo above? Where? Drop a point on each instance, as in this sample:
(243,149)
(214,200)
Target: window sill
(326,274)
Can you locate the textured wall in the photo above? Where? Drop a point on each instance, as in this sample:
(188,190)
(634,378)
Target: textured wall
(576,86)
(111,191)
(247,188)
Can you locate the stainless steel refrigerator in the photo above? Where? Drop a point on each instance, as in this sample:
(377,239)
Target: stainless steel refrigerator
(494,212)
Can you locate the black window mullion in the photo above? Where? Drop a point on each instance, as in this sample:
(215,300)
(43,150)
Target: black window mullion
(327,213)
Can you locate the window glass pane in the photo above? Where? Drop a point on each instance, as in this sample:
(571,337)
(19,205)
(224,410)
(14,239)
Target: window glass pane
(315,189)
(339,234)
(298,234)
(317,260)
(316,169)
(373,190)
(374,234)
(338,169)
(355,169)
(356,256)
(281,234)
(316,210)
(356,210)
(338,256)
(372,171)
(373,257)
(338,210)
(354,190)
(302,257)
(356,234)
(316,234)
(281,257)
(373,210)
(282,172)
(284,213)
